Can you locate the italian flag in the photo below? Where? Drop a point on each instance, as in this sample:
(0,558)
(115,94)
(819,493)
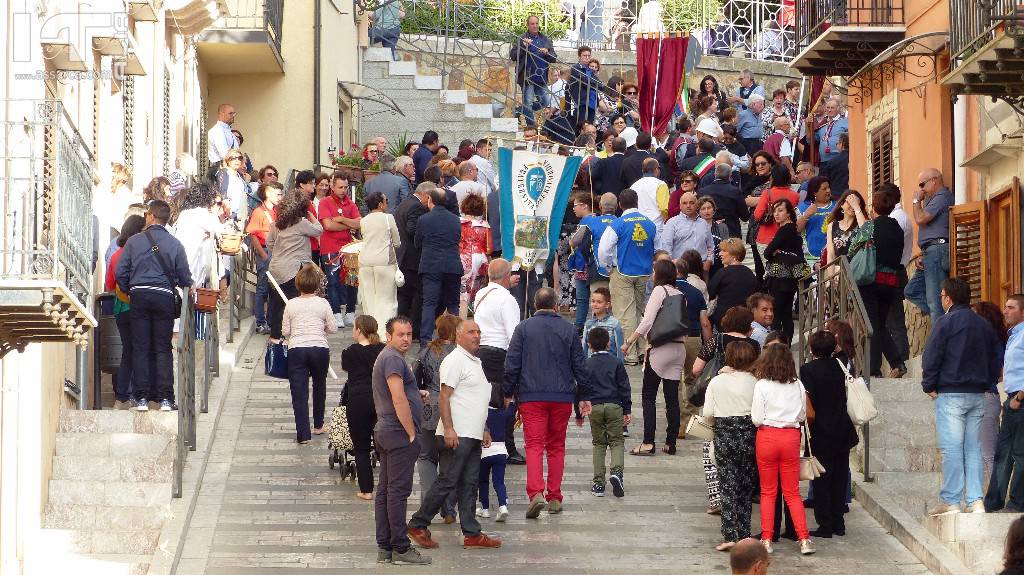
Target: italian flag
(704,166)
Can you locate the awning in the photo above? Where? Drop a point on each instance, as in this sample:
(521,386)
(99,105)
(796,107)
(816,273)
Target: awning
(925,45)
(357,91)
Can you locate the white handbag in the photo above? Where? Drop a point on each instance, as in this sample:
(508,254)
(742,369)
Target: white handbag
(399,276)
(810,467)
(860,404)
(698,427)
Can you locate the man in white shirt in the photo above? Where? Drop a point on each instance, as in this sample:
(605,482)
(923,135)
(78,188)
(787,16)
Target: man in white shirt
(652,193)
(763,307)
(496,310)
(486,173)
(557,89)
(465,394)
(220,139)
(896,321)
(687,231)
(468,183)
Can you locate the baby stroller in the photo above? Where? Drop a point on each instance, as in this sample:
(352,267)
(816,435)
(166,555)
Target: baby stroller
(339,442)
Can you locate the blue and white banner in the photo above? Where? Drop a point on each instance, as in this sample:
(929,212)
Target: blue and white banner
(534,190)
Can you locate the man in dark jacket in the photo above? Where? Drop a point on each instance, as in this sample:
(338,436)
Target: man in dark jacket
(394,186)
(837,170)
(962,358)
(729,205)
(424,153)
(543,369)
(407,216)
(606,173)
(434,175)
(703,160)
(437,237)
(532,53)
(152,265)
(633,164)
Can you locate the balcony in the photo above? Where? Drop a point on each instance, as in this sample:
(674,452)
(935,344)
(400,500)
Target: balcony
(46,258)
(839,37)
(986,46)
(245,40)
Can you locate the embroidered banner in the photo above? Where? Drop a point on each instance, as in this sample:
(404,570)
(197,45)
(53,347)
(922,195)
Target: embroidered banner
(534,190)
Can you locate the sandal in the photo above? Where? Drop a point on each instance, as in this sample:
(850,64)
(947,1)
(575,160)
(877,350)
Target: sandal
(725,545)
(645,452)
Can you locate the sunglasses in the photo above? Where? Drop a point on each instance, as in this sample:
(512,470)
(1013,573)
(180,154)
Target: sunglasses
(761,164)
(271,174)
(925,182)
(630,93)
(234,158)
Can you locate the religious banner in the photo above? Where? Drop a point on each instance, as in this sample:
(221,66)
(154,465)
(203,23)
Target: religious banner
(534,191)
(660,72)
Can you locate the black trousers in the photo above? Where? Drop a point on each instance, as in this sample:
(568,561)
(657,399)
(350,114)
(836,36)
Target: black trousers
(784,292)
(529,283)
(397,461)
(152,318)
(275,306)
(649,399)
(1008,469)
(123,377)
(410,299)
(493,362)
(459,474)
(361,418)
(305,363)
(877,301)
(830,491)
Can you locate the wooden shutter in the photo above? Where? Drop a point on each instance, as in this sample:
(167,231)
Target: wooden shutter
(1003,243)
(881,156)
(968,259)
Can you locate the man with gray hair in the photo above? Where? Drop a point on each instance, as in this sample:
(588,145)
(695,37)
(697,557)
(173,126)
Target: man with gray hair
(803,174)
(407,216)
(826,134)
(778,143)
(393,185)
(749,129)
(747,88)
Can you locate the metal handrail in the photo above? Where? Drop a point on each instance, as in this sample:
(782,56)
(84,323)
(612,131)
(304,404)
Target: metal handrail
(835,294)
(814,17)
(186,376)
(974,23)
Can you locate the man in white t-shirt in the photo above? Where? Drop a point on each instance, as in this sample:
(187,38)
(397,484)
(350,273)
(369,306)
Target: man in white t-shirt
(465,394)
(468,184)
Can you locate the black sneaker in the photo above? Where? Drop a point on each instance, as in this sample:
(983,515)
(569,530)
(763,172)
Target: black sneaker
(141,404)
(411,556)
(383,556)
(625,431)
(597,489)
(616,481)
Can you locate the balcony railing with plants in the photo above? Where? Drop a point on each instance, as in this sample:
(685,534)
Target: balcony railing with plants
(974,23)
(815,17)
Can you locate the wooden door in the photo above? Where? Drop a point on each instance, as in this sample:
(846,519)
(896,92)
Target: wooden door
(1002,242)
(967,253)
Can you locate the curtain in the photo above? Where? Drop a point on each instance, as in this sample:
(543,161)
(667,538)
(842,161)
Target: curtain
(659,71)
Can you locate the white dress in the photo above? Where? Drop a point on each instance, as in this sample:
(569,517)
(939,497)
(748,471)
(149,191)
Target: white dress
(378,293)
(196,229)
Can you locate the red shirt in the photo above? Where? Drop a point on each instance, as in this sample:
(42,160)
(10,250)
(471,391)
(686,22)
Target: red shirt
(260,223)
(766,232)
(110,281)
(330,207)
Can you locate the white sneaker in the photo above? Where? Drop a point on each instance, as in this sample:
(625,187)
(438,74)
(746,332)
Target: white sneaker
(976,507)
(339,319)
(502,514)
(944,509)
(481,512)
(350,319)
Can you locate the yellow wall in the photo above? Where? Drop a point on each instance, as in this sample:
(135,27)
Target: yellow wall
(275,111)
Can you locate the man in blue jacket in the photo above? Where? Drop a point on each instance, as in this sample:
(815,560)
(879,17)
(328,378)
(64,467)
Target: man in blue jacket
(532,53)
(152,265)
(543,368)
(437,238)
(962,358)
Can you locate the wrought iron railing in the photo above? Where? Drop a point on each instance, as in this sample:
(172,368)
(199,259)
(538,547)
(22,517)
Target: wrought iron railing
(974,23)
(834,295)
(186,385)
(255,15)
(45,167)
(814,17)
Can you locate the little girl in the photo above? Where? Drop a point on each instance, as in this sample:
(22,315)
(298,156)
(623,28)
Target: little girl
(493,458)
(306,321)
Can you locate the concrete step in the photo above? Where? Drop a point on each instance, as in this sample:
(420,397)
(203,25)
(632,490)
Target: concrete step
(479,111)
(426,82)
(83,541)
(146,468)
(112,493)
(104,517)
(913,491)
(91,564)
(402,68)
(507,125)
(375,54)
(977,538)
(454,96)
(908,388)
(114,444)
(108,421)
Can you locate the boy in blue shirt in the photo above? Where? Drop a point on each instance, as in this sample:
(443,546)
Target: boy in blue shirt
(611,405)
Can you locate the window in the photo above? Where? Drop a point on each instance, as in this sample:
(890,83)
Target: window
(881,156)
(968,257)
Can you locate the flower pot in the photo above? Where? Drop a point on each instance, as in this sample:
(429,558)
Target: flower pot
(369,175)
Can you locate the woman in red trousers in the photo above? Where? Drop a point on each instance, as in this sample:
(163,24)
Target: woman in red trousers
(778,410)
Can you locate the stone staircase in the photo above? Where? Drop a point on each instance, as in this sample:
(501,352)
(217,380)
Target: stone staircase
(109,493)
(425,103)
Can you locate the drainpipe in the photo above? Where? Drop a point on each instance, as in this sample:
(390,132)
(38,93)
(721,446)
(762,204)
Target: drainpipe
(316,83)
(959,150)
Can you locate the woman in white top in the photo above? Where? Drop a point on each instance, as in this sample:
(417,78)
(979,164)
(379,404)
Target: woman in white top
(306,321)
(779,408)
(232,186)
(378,263)
(727,406)
(196,228)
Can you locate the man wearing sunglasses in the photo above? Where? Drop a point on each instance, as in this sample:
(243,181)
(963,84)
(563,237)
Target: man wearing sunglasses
(931,206)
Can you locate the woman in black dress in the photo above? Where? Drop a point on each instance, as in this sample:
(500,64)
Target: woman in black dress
(786,266)
(357,360)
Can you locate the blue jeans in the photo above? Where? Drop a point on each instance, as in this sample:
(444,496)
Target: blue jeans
(261,289)
(388,37)
(534,98)
(439,290)
(923,289)
(338,294)
(958,424)
(582,305)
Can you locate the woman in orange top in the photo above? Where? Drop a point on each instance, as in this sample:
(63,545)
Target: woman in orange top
(260,222)
(778,190)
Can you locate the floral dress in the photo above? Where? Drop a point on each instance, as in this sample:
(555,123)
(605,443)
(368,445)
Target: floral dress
(474,246)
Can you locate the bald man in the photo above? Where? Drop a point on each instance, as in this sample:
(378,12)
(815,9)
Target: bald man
(931,204)
(465,394)
(748,557)
(220,139)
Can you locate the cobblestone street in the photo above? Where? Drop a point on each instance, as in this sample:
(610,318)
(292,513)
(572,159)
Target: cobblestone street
(269,505)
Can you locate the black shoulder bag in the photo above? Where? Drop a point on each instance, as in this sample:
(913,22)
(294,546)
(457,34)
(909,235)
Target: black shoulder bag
(167,272)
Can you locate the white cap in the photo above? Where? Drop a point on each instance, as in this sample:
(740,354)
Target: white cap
(709,127)
(629,134)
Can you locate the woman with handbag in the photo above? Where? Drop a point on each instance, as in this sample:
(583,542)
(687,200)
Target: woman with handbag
(664,362)
(727,409)
(378,261)
(778,409)
(357,360)
(832,433)
(764,212)
(288,240)
(786,266)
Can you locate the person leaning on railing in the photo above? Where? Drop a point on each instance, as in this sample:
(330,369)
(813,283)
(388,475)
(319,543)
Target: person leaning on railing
(387,26)
(532,52)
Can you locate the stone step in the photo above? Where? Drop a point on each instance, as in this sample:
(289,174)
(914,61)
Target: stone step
(154,468)
(375,54)
(402,68)
(109,421)
(479,111)
(913,491)
(112,493)
(84,541)
(91,564)
(454,96)
(507,125)
(114,444)
(886,389)
(977,538)
(426,82)
(104,517)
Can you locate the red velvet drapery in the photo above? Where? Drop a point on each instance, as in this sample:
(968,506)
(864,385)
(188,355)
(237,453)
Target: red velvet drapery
(659,71)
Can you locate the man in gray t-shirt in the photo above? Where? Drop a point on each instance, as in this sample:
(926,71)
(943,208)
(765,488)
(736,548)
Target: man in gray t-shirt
(399,406)
(931,213)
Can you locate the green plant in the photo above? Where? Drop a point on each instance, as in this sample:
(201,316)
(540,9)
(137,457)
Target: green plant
(353,158)
(689,14)
(493,20)
(397,147)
